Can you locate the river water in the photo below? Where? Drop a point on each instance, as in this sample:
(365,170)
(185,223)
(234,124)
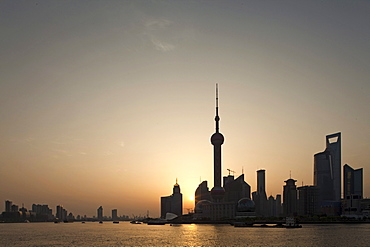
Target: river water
(126,234)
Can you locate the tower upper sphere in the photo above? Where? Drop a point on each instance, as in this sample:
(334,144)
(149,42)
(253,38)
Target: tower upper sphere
(217,139)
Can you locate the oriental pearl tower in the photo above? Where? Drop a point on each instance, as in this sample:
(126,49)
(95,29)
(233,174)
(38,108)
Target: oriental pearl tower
(217,139)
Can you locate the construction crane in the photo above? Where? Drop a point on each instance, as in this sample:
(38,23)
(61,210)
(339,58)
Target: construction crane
(190,210)
(231,171)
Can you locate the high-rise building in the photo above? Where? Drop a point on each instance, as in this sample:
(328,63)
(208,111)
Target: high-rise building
(308,200)
(260,197)
(327,175)
(172,203)
(8,206)
(202,192)
(236,189)
(114,215)
(14,208)
(100,213)
(352,181)
(42,211)
(353,191)
(271,207)
(290,198)
(279,208)
(61,213)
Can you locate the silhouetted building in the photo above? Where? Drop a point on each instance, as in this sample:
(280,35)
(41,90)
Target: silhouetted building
(290,198)
(202,192)
(259,196)
(279,207)
(327,175)
(100,213)
(8,206)
(61,213)
(353,191)
(236,189)
(271,206)
(42,211)
(172,203)
(70,217)
(308,201)
(114,215)
(14,208)
(352,181)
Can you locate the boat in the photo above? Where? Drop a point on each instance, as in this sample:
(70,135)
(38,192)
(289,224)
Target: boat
(157,222)
(135,222)
(242,224)
(290,222)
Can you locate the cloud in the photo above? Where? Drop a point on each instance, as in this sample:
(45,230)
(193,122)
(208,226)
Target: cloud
(158,31)
(162,46)
(157,24)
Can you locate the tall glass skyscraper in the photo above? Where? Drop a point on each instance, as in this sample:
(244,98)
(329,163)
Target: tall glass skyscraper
(352,181)
(327,172)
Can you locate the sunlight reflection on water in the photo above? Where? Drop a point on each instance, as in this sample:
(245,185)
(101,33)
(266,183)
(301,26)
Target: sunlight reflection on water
(126,234)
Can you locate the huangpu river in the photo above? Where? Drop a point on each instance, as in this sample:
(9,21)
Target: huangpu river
(126,234)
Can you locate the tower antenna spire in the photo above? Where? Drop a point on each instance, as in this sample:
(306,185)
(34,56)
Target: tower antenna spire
(217,118)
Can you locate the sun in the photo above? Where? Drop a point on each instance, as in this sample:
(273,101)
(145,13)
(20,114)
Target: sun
(191,198)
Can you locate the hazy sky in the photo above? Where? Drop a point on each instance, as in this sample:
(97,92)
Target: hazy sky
(106,103)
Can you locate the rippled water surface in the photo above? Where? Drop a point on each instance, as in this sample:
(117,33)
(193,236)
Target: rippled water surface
(126,234)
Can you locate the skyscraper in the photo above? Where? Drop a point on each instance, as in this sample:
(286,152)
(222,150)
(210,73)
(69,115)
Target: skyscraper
(352,181)
(8,206)
(352,190)
(61,213)
(217,139)
(114,215)
(172,203)
(259,196)
(327,174)
(100,213)
(308,204)
(235,189)
(202,192)
(290,198)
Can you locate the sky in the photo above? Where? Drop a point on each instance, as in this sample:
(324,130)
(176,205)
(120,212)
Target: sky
(107,103)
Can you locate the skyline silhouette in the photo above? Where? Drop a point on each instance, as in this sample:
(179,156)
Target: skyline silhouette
(107,104)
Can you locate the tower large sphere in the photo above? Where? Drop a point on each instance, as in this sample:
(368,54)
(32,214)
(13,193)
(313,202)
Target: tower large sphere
(217,139)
